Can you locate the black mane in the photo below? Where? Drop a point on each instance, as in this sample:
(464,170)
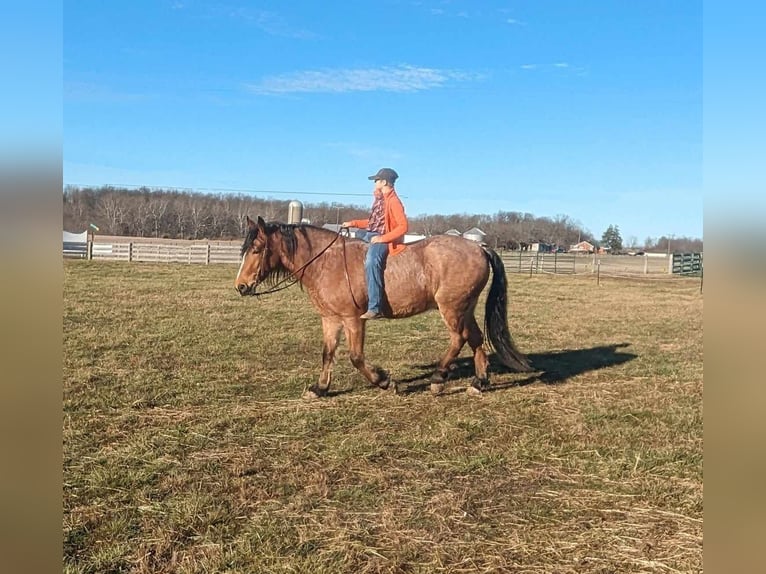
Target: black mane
(252,233)
(289,233)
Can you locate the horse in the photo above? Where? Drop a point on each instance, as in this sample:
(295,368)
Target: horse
(441,272)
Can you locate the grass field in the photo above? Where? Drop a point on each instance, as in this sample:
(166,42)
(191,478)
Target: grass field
(187,447)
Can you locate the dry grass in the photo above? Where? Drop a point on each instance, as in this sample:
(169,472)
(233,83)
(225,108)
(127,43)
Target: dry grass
(187,448)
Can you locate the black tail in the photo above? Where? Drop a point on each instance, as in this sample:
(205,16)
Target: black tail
(496,318)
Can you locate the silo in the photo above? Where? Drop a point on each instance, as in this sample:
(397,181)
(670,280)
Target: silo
(294,211)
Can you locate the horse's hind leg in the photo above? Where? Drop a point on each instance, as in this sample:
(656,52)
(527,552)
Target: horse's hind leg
(355,328)
(331,334)
(455,324)
(475,339)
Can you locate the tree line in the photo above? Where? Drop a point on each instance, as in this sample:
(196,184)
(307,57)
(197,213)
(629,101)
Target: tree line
(175,214)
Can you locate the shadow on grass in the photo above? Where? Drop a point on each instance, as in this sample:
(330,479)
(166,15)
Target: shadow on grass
(552,368)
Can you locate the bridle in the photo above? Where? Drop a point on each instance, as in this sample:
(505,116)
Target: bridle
(293,278)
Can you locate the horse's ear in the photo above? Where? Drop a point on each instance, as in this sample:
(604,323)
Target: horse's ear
(250,222)
(261,224)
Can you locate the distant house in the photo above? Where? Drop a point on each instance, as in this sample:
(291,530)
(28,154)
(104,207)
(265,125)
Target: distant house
(582,247)
(453,232)
(541,247)
(475,234)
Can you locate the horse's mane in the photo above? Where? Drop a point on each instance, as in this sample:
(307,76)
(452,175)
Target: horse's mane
(289,233)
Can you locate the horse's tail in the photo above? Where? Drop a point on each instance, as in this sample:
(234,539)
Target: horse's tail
(496,318)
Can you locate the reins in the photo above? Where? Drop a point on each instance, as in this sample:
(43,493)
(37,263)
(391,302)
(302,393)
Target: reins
(345,272)
(292,277)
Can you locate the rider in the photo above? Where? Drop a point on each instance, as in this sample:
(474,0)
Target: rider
(385,229)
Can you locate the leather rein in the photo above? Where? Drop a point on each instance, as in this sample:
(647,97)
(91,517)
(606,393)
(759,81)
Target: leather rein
(293,278)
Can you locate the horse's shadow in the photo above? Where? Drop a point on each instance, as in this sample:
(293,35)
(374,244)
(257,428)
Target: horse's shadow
(551,368)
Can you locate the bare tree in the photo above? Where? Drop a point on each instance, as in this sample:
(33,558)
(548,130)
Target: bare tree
(197,216)
(157,209)
(112,208)
(137,217)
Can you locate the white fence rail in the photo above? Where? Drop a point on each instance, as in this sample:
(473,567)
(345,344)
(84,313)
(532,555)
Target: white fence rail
(216,252)
(75,250)
(199,253)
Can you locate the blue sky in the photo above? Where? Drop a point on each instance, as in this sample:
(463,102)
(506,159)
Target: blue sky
(591,110)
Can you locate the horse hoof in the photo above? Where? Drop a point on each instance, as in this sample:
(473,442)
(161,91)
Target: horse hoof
(388,385)
(382,380)
(480,384)
(312,393)
(473,391)
(437,388)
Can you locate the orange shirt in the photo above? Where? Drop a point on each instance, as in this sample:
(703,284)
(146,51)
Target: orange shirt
(395,223)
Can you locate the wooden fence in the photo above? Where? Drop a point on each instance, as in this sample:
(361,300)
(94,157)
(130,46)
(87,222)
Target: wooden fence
(215,252)
(211,253)
(199,253)
(75,250)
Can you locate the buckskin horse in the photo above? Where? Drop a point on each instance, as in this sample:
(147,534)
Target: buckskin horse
(442,272)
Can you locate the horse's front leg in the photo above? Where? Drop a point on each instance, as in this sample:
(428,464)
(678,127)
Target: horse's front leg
(355,328)
(331,334)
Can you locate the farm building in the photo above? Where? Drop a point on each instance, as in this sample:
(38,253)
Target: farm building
(475,234)
(541,247)
(582,247)
(453,232)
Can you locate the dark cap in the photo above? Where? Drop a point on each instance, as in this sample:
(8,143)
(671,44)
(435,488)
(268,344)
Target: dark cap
(385,173)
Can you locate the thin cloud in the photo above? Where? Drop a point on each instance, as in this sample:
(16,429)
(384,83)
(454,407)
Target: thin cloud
(528,66)
(561,65)
(450,12)
(515,22)
(271,23)
(386,79)
(363,151)
(89,92)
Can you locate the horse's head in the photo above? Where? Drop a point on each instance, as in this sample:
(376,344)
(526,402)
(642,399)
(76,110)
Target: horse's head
(258,260)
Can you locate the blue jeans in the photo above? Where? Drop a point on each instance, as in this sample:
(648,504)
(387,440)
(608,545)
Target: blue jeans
(374,264)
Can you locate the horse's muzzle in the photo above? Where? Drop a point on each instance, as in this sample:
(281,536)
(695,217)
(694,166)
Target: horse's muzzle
(245,289)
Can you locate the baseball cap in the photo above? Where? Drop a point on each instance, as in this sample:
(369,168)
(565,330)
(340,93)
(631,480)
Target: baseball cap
(385,173)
